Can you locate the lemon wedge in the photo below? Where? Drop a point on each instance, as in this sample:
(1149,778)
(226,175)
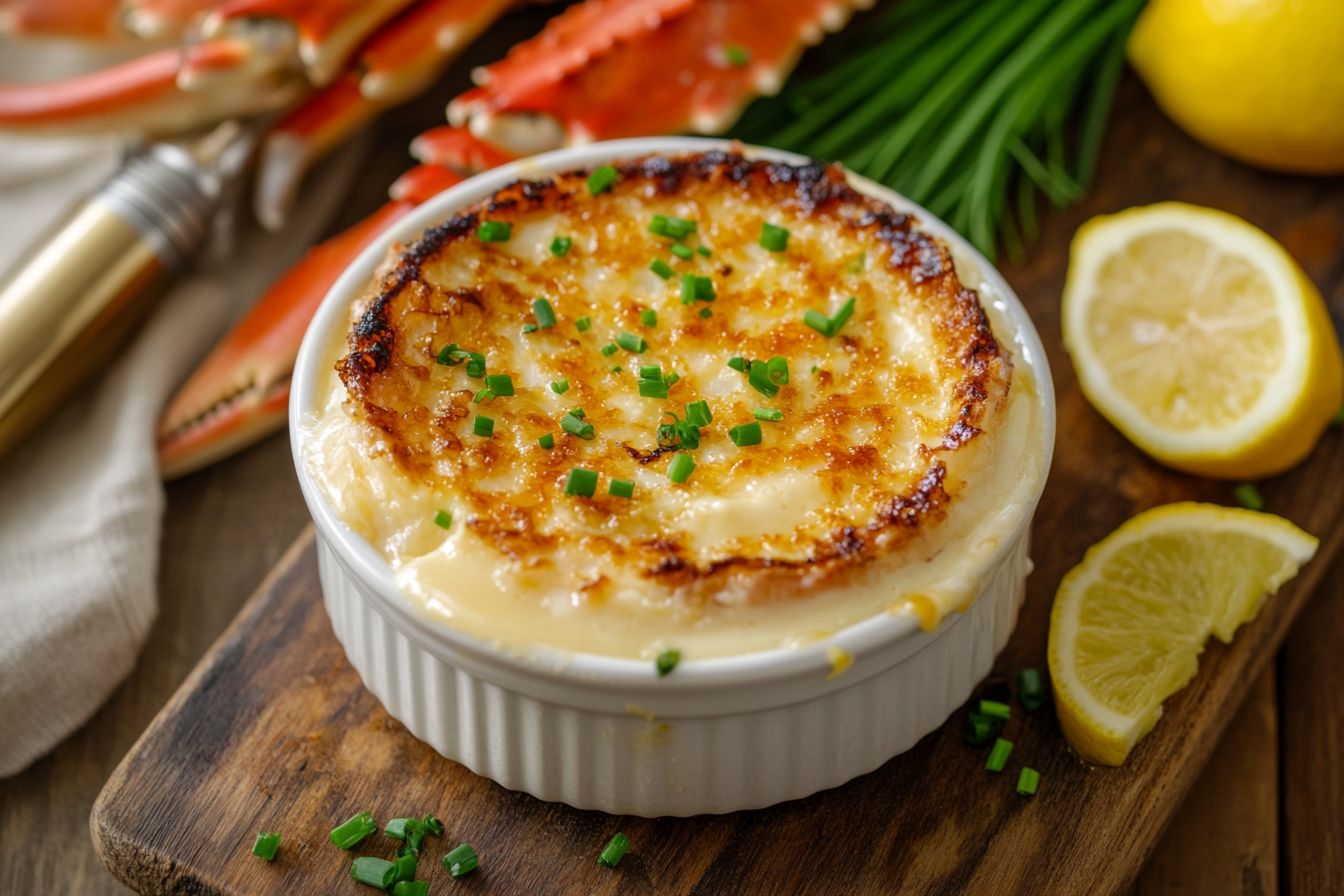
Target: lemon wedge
(1199,338)
(1130,621)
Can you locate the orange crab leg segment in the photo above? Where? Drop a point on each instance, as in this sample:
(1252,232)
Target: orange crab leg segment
(240,394)
(459,149)
(69,18)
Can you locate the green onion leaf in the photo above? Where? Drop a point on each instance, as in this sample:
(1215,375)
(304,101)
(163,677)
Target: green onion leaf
(681,468)
(658,225)
(704,289)
(483,395)
(631,343)
(688,435)
(529,328)
(577,427)
(583,324)
(1030,690)
(759,378)
(397,828)
(770,414)
(560,246)
(581,482)
(842,316)
(778,370)
(705,312)
(1248,496)
(544,312)
(494,232)
(650,372)
(560,386)
(775,239)
(738,364)
(461,860)
(682,251)
(979,729)
(995,710)
(998,757)
(614,850)
(451,355)
(661,268)
(378,873)
(737,55)
(483,426)
(475,364)
(610,349)
(1027,781)
(266,846)
(817,321)
(652,388)
(500,383)
(621,488)
(648,317)
(698,412)
(547,441)
(671,378)
(411,888)
(703,250)
(405,866)
(578,412)
(687,288)
(433,825)
(676,228)
(443,521)
(601,180)
(745,435)
(354,830)
(666,662)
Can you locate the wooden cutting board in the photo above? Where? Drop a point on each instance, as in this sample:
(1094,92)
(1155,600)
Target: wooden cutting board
(273,731)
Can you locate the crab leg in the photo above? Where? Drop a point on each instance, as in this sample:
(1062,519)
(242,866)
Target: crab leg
(240,394)
(161,19)
(70,18)
(399,62)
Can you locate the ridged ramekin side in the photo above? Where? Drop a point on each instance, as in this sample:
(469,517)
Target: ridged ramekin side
(627,761)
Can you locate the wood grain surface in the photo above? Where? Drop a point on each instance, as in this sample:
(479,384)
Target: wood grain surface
(274,732)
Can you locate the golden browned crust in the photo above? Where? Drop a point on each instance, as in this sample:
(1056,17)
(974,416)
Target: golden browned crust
(423,411)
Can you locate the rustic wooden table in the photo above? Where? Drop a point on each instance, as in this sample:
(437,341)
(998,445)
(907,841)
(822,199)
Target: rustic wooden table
(1266,817)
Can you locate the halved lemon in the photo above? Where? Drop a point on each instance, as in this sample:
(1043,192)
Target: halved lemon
(1199,338)
(1130,621)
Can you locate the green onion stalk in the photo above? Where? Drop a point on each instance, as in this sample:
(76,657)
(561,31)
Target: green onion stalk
(971,108)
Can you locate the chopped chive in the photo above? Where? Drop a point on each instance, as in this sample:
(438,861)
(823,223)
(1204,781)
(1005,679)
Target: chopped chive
(581,482)
(687,288)
(704,289)
(1027,781)
(544,312)
(682,251)
(500,383)
(461,860)
(705,312)
(650,372)
(681,468)
(738,364)
(610,349)
(698,412)
(547,441)
(483,426)
(671,378)
(652,389)
(578,412)
(621,488)
(1249,496)
(443,521)
(433,825)
(658,225)
(494,231)
(661,268)
(841,316)
(1030,691)
(583,324)
(618,369)
(770,414)
(614,850)
(631,343)
(475,365)
(451,355)
(703,250)
(411,888)
(995,710)
(745,435)
(980,729)
(529,328)
(998,757)
(666,225)
(560,246)
(484,395)
(759,377)
(405,866)
(737,55)
(415,839)
(378,873)
(855,264)
(668,659)
(775,239)
(600,181)
(560,386)
(648,317)
(688,435)
(266,846)
(577,427)
(817,321)
(778,370)
(815,368)
(354,830)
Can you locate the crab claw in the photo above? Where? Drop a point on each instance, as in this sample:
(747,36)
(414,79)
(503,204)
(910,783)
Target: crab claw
(240,394)
(459,149)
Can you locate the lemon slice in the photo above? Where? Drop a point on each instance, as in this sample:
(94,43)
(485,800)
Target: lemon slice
(1130,621)
(1201,340)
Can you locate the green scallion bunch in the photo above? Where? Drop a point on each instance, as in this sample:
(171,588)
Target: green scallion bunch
(972,108)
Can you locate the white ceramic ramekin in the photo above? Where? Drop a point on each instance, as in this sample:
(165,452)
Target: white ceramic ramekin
(720,735)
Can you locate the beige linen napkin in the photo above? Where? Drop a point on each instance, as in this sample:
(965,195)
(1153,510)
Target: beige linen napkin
(81,503)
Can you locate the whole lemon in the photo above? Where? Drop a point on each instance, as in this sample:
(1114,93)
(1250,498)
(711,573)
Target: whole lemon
(1259,80)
